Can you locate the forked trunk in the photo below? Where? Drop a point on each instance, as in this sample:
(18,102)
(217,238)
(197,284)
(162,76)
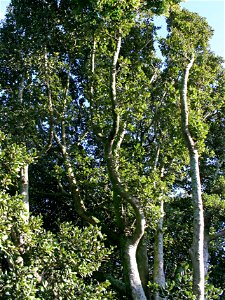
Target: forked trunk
(112,152)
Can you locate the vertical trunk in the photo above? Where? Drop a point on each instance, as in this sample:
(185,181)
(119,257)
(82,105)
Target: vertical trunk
(158,270)
(143,266)
(25,190)
(159,275)
(196,250)
(24,179)
(131,243)
(112,149)
(137,290)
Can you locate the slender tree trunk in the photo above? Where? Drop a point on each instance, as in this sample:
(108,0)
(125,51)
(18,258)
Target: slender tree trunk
(158,270)
(24,178)
(24,191)
(25,188)
(197,248)
(112,148)
(158,274)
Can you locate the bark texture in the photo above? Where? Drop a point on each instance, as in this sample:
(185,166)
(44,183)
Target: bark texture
(197,248)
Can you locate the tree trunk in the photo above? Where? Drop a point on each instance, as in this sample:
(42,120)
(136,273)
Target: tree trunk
(24,178)
(136,287)
(196,250)
(112,149)
(25,190)
(143,266)
(130,243)
(158,274)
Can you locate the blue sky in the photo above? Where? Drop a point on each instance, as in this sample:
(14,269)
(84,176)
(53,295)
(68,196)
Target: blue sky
(213,10)
(3,5)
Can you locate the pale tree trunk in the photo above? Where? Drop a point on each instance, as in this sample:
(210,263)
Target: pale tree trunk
(24,177)
(158,269)
(197,248)
(24,191)
(112,147)
(137,290)
(131,243)
(143,266)
(158,274)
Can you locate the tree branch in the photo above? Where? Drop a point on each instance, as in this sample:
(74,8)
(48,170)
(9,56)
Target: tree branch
(184,107)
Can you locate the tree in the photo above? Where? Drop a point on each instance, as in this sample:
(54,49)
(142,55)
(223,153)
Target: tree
(103,114)
(193,47)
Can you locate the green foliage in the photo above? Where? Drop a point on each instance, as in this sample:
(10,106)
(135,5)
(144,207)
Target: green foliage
(37,264)
(190,33)
(12,159)
(212,292)
(181,286)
